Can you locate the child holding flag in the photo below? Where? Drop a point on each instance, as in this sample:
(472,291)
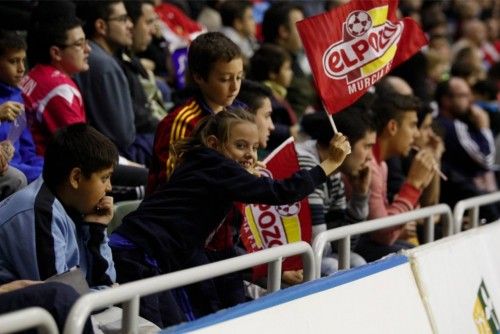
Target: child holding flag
(172,226)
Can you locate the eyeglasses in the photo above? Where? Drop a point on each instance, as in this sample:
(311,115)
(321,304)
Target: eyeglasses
(122,18)
(80,44)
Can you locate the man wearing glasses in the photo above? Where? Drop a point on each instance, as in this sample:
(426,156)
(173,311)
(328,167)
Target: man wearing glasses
(106,92)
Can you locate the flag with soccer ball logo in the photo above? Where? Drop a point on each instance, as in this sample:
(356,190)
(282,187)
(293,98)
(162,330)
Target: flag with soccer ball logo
(353,46)
(267,226)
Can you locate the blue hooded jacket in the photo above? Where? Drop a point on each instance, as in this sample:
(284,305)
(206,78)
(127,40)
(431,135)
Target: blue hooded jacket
(25,158)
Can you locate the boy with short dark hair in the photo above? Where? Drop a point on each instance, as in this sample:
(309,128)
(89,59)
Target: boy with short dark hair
(216,71)
(58,51)
(330,205)
(59,221)
(15,140)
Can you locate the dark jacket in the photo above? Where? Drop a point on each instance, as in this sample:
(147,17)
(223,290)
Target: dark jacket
(180,217)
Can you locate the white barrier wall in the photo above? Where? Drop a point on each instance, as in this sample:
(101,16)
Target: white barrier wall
(381,297)
(459,279)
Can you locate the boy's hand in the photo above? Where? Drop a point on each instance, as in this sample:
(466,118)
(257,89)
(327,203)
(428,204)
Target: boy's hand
(361,182)
(422,169)
(10,110)
(103,212)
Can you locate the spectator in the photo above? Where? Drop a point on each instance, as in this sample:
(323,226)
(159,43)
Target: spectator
(209,15)
(396,121)
(329,206)
(173,225)
(467,65)
(13,131)
(279,28)
(59,50)
(470,148)
(145,31)
(272,65)
(239,25)
(216,70)
(106,92)
(257,97)
(142,15)
(59,221)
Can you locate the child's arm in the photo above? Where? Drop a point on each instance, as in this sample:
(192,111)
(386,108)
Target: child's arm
(240,186)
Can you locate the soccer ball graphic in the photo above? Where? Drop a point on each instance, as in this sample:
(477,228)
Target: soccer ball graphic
(358,23)
(288,210)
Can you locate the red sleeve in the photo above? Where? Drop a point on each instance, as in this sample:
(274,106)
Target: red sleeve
(59,113)
(404,201)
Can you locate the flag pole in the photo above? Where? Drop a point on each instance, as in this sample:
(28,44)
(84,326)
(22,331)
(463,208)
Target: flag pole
(332,123)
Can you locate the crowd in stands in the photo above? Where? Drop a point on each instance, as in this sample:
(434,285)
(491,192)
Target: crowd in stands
(176,102)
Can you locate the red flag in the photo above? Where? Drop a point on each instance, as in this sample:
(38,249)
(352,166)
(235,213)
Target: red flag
(266,226)
(353,46)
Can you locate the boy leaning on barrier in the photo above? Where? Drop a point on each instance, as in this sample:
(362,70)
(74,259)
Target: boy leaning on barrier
(59,221)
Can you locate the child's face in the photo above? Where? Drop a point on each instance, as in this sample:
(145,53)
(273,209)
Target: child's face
(361,153)
(73,56)
(248,26)
(406,134)
(285,74)
(12,66)
(425,132)
(92,189)
(264,122)
(223,83)
(242,144)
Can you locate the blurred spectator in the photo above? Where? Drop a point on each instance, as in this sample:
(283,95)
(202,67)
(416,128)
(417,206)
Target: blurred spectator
(279,27)
(104,86)
(142,15)
(14,132)
(145,25)
(209,15)
(238,25)
(271,65)
(468,65)
(469,143)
